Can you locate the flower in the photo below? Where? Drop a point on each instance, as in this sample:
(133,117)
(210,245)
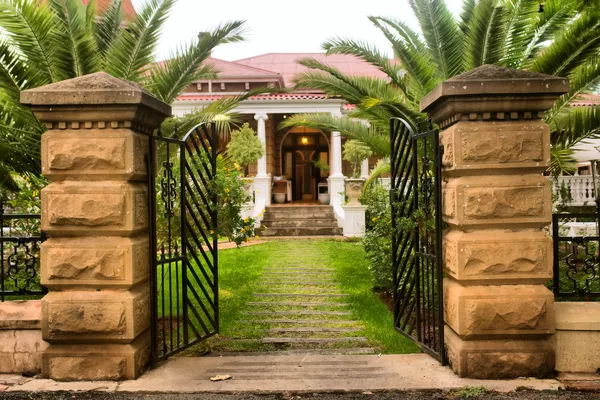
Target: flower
(256,237)
(212,232)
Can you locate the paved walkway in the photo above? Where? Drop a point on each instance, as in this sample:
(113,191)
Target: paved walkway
(307,373)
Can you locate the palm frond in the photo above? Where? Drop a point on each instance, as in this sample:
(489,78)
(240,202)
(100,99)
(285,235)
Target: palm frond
(382,167)
(583,80)
(169,78)
(441,34)
(108,26)
(29,26)
(575,126)
(468,9)
(413,57)
(133,48)
(486,34)
(76,50)
(562,161)
(521,16)
(371,55)
(576,43)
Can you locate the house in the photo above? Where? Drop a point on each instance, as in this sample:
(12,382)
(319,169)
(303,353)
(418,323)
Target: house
(578,189)
(288,165)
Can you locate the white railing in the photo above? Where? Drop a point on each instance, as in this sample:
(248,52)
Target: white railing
(576,190)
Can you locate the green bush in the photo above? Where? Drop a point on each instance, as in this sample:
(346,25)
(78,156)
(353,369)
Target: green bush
(378,235)
(355,152)
(245,147)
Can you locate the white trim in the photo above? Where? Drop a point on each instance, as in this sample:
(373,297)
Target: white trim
(275,106)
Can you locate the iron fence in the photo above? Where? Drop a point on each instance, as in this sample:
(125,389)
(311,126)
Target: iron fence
(576,274)
(20,239)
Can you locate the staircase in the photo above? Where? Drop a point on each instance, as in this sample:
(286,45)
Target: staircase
(301,220)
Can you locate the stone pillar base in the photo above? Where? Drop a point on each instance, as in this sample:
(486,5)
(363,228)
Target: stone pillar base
(262,190)
(336,196)
(91,362)
(354,221)
(499,359)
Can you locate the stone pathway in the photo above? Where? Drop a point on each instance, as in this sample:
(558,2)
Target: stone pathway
(297,309)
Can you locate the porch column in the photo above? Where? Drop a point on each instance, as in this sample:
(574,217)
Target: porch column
(262,181)
(336,177)
(496,253)
(364,169)
(261,131)
(95,262)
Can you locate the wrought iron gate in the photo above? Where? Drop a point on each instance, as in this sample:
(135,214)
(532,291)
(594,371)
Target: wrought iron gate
(415,198)
(183,243)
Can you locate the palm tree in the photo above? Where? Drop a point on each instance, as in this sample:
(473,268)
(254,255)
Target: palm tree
(49,41)
(556,37)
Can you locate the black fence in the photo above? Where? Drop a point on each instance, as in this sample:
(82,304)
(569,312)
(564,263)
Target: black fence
(20,239)
(576,256)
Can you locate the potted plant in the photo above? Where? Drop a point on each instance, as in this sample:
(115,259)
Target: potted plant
(245,148)
(322,195)
(355,152)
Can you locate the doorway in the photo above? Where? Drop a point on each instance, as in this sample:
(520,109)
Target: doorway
(305,162)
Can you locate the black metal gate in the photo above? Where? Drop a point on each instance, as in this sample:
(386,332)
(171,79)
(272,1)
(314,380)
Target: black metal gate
(415,198)
(183,243)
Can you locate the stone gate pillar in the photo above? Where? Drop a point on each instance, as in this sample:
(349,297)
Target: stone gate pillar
(96,315)
(496,202)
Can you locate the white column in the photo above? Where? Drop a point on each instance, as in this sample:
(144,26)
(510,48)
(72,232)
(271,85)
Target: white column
(262,181)
(336,177)
(261,131)
(364,169)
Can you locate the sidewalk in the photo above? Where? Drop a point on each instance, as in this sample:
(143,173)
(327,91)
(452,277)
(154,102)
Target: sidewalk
(310,373)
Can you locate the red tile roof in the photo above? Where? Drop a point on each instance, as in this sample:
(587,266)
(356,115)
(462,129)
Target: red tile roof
(233,69)
(587,100)
(286,64)
(265,97)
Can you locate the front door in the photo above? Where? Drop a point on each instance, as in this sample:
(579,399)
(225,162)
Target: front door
(305,159)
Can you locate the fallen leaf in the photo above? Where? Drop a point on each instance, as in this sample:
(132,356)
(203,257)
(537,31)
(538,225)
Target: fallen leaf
(367,393)
(220,378)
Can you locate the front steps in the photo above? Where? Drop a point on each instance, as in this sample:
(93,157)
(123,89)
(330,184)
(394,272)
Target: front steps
(299,221)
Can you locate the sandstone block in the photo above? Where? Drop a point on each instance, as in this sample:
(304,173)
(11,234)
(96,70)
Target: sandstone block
(20,351)
(93,362)
(20,314)
(98,316)
(498,257)
(577,338)
(474,145)
(503,311)
(499,359)
(94,154)
(484,201)
(98,262)
(94,208)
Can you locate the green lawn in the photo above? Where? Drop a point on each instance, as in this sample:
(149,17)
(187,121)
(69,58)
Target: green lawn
(241,269)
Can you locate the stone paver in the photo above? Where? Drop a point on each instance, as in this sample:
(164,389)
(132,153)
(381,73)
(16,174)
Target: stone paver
(302,373)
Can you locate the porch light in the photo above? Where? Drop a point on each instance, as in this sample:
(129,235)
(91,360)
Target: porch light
(304,140)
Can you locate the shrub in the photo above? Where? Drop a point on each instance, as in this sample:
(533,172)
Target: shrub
(355,152)
(378,235)
(245,147)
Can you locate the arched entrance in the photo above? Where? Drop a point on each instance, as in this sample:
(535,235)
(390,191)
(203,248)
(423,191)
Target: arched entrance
(304,158)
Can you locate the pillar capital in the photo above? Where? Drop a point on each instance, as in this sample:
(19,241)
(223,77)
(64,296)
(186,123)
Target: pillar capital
(491,92)
(261,116)
(96,100)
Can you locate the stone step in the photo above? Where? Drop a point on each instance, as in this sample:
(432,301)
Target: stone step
(299,321)
(292,214)
(297,283)
(295,222)
(286,340)
(299,312)
(299,295)
(313,330)
(296,303)
(302,231)
(288,269)
(297,352)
